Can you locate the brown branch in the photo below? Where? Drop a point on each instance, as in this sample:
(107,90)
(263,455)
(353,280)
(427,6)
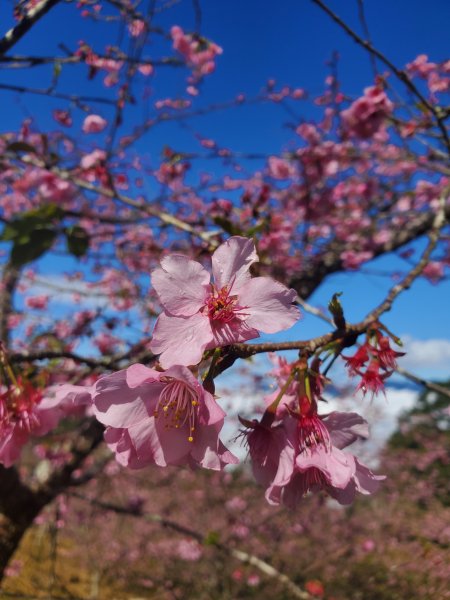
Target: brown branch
(15,34)
(36,61)
(9,281)
(51,94)
(149,209)
(329,261)
(348,336)
(430,385)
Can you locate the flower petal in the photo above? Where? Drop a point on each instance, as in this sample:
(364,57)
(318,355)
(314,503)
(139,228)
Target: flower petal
(337,466)
(181,284)
(181,341)
(138,374)
(345,428)
(231,262)
(233,332)
(366,482)
(117,405)
(269,305)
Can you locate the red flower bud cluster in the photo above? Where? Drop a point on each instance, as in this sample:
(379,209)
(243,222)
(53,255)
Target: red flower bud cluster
(374,362)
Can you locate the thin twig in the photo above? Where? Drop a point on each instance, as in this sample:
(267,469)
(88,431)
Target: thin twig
(401,75)
(430,385)
(15,34)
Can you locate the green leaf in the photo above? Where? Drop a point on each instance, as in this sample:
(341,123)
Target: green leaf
(20,228)
(212,538)
(38,242)
(335,308)
(228,226)
(77,240)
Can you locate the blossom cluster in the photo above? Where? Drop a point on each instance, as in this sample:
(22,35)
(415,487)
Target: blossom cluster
(199,53)
(168,415)
(294,450)
(374,361)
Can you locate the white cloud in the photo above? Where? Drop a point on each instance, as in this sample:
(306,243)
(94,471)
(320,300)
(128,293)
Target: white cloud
(432,356)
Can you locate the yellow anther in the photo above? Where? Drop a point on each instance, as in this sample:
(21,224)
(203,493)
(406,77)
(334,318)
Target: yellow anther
(190,438)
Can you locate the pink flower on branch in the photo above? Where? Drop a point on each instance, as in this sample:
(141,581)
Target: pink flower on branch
(199,315)
(163,418)
(26,411)
(365,117)
(94,124)
(304,453)
(295,450)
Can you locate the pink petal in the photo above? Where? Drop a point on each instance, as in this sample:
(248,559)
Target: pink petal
(11,442)
(215,414)
(117,405)
(366,482)
(345,496)
(231,262)
(67,394)
(205,448)
(181,341)
(175,446)
(269,305)
(181,284)
(337,466)
(147,441)
(345,428)
(138,374)
(119,442)
(234,332)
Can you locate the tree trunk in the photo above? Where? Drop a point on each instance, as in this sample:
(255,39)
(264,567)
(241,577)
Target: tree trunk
(19,506)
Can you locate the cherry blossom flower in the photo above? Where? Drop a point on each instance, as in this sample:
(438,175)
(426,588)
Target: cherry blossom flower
(63,117)
(199,315)
(26,411)
(94,124)
(162,418)
(136,27)
(199,53)
(39,302)
(304,453)
(367,114)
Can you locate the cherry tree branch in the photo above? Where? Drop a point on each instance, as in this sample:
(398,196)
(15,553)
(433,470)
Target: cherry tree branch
(349,335)
(430,385)
(52,94)
(9,281)
(329,261)
(149,209)
(15,34)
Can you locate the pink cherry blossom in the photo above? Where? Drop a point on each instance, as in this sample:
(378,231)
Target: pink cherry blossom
(136,27)
(366,115)
(199,315)
(162,418)
(63,117)
(25,411)
(303,453)
(94,124)
(93,158)
(39,302)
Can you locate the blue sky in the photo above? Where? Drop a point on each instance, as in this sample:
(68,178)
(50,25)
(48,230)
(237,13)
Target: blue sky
(290,41)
